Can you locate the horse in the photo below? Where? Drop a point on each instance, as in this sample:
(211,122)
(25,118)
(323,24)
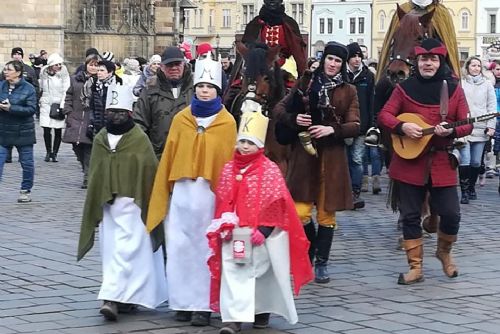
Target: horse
(262,87)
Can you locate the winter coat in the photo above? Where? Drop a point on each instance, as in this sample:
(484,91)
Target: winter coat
(30,75)
(304,170)
(496,147)
(416,171)
(77,118)
(481,100)
(365,85)
(157,106)
(17,126)
(144,79)
(54,89)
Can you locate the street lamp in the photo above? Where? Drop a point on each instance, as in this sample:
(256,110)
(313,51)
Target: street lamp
(217,42)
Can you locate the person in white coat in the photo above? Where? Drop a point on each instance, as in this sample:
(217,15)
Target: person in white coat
(54,82)
(481,99)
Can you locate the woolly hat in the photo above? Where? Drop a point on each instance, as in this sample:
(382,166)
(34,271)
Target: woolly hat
(54,59)
(171,55)
(203,48)
(353,49)
(17,50)
(336,49)
(132,65)
(110,66)
(108,55)
(91,51)
(155,59)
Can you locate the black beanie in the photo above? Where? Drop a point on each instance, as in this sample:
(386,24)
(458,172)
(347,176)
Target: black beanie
(354,50)
(110,66)
(91,51)
(17,50)
(336,49)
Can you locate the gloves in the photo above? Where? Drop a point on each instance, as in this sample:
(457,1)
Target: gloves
(257,237)
(90,131)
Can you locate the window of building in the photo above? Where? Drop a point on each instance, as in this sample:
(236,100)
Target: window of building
(381,21)
(226,18)
(352,25)
(102,14)
(493,23)
(294,11)
(187,18)
(464,54)
(330,26)
(300,14)
(248,13)
(321,25)
(341,24)
(464,21)
(198,18)
(361,25)
(211,18)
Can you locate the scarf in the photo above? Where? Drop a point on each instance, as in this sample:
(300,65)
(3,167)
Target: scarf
(319,95)
(272,17)
(102,84)
(475,79)
(119,129)
(243,160)
(87,88)
(205,108)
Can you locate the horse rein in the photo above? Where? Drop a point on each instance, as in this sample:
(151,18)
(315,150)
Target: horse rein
(251,95)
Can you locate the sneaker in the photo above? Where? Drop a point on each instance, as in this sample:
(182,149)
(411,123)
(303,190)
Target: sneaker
(24,196)
(109,310)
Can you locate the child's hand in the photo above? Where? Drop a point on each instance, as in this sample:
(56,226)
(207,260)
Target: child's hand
(257,237)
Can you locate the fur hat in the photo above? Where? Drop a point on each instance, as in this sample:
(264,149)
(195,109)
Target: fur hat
(54,59)
(336,49)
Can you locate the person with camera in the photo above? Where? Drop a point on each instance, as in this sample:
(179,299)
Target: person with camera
(54,80)
(328,109)
(18,102)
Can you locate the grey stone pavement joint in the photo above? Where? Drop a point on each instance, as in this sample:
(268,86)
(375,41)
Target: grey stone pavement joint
(44,290)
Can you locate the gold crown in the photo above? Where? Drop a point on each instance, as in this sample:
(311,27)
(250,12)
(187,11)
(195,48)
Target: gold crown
(253,126)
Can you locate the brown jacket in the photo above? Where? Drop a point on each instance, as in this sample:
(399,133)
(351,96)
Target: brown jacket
(304,170)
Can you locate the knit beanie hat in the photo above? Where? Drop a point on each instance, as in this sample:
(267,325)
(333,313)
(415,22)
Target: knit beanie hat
(155,59)
(336,49)
(17,50)
(108,55)
(354,50)
(91,51)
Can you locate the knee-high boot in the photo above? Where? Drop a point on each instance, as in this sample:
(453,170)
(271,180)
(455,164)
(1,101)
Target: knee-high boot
(474,173)
(310,231)
(47,138)
(464,176)
(323,246)
(414,252)
(443,253)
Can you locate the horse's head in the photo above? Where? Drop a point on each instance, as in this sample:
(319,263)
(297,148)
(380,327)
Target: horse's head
(262,80)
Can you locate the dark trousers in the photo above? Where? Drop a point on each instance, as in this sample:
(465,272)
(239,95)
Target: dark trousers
(443,201)
(82,152)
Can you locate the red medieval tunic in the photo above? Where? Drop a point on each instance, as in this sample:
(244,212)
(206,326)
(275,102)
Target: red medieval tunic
(416,171)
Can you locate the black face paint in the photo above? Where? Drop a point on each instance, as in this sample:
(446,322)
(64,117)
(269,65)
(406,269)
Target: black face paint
(117,117)
(273,4)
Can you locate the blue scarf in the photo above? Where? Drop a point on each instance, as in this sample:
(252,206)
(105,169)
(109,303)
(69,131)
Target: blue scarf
(205,108)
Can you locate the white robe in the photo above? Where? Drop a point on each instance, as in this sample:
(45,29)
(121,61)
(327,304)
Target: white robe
(191,211)
(131,272)
(263,286)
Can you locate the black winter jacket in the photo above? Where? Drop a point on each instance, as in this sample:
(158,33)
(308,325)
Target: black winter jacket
(365,85)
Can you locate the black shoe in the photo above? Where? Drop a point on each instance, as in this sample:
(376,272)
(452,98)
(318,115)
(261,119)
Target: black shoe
(261,320)
(126,308)
(465,198)
(47,157)
(183,316)
(321,274)
(84,184)
(357,201)
(54,157)
(200,319)
(109,310)
(472,194)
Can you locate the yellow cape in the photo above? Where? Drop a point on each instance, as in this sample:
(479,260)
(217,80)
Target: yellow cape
(441,21)
(190,154)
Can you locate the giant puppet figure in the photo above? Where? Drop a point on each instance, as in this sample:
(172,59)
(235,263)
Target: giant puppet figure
(441,23)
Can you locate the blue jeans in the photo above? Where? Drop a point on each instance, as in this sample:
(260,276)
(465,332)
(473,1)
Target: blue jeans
(372,155)
(355,154)
(471,153)
(27,163)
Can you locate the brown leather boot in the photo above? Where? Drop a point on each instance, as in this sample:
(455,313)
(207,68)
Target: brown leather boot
(414,252)
(443,253)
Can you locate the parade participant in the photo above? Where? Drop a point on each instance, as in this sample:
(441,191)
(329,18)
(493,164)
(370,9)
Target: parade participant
(121,176)
(17,126)
(431,171)
(199,143)
(481,99)
(328,109)
(164,97)
(441,22)
(252,198)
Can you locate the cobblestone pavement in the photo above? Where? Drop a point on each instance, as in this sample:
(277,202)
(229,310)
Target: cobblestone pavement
(43,289)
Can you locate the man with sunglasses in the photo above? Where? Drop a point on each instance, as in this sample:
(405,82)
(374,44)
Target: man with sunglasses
(163,98)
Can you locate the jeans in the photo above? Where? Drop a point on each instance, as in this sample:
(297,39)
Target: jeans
(372,155)
(27,163)
(471,153)
(355,154)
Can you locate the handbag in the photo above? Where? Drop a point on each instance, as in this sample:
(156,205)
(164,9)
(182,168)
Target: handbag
(56,112)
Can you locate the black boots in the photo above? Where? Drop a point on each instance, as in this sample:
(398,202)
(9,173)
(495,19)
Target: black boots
(323,246)
(464,176)
(474,173)
(310,231)
(47,156)
(356,199)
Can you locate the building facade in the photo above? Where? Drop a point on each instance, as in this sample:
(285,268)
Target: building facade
(341,21)
(218,22)
(69,27)
(463,13)
(488,26)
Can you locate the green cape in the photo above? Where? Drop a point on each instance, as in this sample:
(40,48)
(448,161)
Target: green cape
(127,171)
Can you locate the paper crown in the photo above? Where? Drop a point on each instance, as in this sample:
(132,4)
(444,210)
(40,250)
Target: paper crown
(120,97)
(208,71)
(253,127)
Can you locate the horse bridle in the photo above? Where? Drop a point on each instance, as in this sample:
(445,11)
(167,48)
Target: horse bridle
(250,94)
